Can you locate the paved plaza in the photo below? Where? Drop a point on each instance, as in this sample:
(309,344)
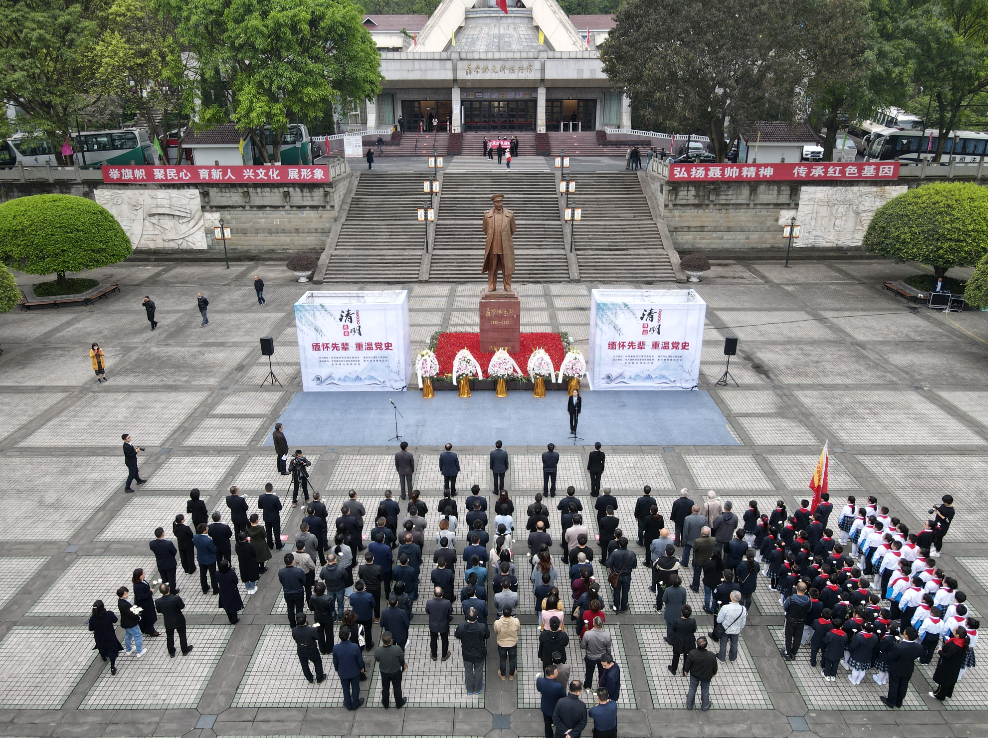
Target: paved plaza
(900,392)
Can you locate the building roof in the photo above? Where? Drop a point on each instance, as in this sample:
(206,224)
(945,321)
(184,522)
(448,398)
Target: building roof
(593,22)
(780,132)
(393,23)
(223,135)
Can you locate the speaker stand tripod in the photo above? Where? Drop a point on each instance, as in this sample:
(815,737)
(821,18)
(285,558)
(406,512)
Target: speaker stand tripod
(722,382)
(271,377)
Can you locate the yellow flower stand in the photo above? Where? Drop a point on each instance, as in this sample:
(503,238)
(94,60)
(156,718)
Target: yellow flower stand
(464,386)
(427,391)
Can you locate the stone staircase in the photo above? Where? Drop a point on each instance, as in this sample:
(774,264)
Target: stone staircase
(617,239)
(417,144)
(718,229)
(458,254)
(473,143)
(381,240)
(585,144)
(279,230)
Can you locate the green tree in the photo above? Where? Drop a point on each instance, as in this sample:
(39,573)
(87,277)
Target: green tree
(55,234)
(852,71)
(47,60)
(976,290)
(941,225)
(9,294)
(399,7)
(697,63)
(139,61)
(278,58)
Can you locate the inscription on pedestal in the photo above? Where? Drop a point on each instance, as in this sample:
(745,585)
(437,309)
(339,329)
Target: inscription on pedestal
(500,321)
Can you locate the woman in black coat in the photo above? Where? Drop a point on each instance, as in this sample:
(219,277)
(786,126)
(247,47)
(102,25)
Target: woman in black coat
(683,637)
(197,509)
(101,623)
(144,599)
(673,600)
(952,658)
(229,599)
(186,548)
(653,525)
(713,575)
(250,571)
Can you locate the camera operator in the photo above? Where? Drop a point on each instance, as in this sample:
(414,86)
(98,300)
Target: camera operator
(943,517)
(300,476)
(130,459)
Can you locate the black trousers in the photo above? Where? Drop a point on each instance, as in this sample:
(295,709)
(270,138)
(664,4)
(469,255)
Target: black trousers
(296,605)
(449,483)
(368,633)
(595,483)
(574,418)
(550,728)
(304,483)
(239,526)
(592,666)
(151,319)
(211,568)
(310,582)
(132,474)
(434,637)
(170,637)
(188,557)
(304,657)
(406,484)
(377,602)
(548,483)
(324,637)
(498,481)
(392,681)
(794,634)
(282,465)
(898,686)
(168,575)
(612,733)
(273,531)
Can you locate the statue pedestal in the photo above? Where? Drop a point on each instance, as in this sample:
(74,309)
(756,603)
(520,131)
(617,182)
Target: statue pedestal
(500,321)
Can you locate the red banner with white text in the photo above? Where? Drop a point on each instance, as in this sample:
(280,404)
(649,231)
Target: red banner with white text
(782,172)
(187,174)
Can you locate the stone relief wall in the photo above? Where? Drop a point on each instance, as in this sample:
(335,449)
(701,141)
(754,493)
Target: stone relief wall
(157,219)
(837,217)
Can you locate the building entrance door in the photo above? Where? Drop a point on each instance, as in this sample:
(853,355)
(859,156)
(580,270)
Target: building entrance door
(498,115)
(424,111)
(578,115)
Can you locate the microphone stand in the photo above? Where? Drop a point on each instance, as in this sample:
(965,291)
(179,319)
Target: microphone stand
(396,436)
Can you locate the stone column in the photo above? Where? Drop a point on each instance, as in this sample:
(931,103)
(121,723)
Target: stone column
(457,115)
(540,111)
(371,114)
(625,112)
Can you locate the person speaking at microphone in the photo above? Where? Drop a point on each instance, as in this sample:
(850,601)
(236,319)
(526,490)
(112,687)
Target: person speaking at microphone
(574,406)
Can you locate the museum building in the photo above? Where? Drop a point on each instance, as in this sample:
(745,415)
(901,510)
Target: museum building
(472,67)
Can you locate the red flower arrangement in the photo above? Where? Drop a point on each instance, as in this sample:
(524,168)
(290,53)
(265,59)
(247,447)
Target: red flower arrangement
(450,343)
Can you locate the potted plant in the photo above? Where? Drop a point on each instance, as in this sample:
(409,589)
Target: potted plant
(540,367)
(303,265)
(502,368)
(694,265)
(426,367)
(573,367)
(465,367)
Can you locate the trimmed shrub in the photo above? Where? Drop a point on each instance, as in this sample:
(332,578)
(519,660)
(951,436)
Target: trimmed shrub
(695,263)
(71,286)
(942,225)
(55,234)
(302,263)
(976,289)
(9,294)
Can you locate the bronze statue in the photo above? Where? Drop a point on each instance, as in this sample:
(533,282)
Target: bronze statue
(499,225)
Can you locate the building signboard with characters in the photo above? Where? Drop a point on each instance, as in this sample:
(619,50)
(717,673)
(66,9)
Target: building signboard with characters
(645,339)
(354,341)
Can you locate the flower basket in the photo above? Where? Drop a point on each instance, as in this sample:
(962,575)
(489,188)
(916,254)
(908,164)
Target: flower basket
(465,367)
(539,368)
(502,368)
(572,368)
(426,367)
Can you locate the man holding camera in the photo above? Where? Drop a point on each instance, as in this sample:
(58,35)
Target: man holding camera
(943,516)
(130,459)
(300,476)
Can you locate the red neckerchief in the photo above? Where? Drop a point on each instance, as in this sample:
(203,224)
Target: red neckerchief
(833,587)
(814,600)
(862,591)
(884,621)
(867,635)
(826,538)
(838,632)
(859,621)
(803,510)
(823,621)
(957,641)
(934,620)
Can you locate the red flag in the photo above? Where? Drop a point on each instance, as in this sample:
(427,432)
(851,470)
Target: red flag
(820,476)
(588,35)
(503,5)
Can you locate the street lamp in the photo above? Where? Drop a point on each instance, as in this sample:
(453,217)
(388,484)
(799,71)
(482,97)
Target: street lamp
(426,215)
(222,234)
(571,215)
(790,231)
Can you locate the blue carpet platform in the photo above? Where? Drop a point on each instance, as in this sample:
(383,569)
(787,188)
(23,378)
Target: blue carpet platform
(615,418)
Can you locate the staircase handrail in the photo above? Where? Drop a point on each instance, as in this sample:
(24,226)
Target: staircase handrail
(655,134)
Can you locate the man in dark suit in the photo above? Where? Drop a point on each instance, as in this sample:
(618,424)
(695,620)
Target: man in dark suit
(164,556)
(130,452)
(499,466)
(170,607)
(149,308)
(307,645)
(280,447)
(595,465)
(570,714)
(550,460)
(238,510)
(901,662)
(449,467)
(405,466)
(317,527)
(681,510)
(603,502)
(221,535)
(270,505)
(349,664)
(573,407)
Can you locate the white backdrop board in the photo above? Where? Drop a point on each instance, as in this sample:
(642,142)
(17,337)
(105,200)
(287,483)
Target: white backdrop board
(354,340)
(645,339)
(353,146)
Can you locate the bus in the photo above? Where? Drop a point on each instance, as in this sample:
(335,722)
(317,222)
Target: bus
(30,151)
(119,146)
(885,121)
(916,146)
(296,145)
